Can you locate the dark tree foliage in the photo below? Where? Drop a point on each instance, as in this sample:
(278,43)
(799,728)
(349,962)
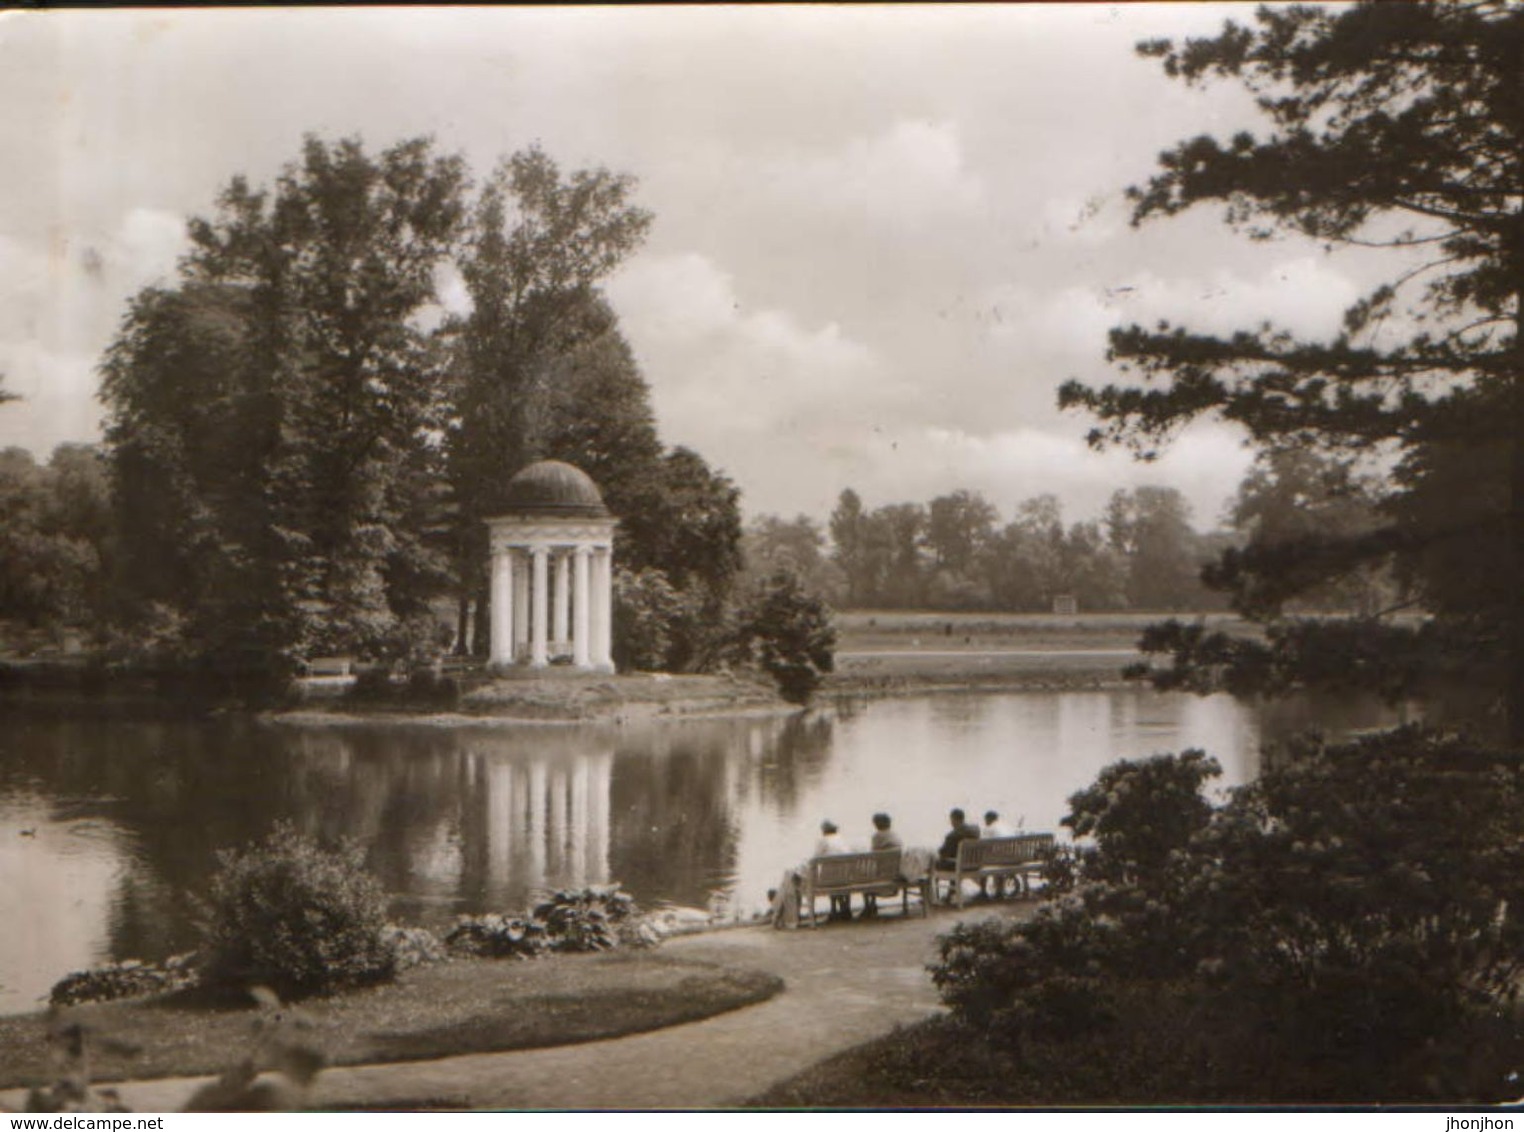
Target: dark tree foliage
(55,541)
(540,242)
(273,422)
(682,517)
(1344,929)
(771,543)
(790,633)
(303,443)
(1390,125)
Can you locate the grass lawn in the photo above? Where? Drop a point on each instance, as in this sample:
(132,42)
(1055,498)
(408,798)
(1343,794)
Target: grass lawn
(863,629)
(462,1006)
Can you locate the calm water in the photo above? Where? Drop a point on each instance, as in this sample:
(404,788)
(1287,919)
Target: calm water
(108,829)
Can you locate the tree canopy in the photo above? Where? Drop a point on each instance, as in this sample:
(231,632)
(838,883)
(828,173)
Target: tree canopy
(1395,126)
(304,439)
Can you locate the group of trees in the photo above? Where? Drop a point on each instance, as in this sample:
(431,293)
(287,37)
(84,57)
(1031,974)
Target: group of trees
(1397,127)
(54,541)
(1143,553)
(304,440)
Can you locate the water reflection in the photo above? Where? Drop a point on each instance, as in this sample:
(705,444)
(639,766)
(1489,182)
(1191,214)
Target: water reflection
(108,829)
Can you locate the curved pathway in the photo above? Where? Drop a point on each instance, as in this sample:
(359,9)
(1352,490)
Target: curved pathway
(844,984)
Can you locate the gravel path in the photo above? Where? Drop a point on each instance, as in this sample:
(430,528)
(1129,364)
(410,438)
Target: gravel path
(845,984)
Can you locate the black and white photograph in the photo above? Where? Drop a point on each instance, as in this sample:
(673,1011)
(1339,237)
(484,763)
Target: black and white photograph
(779,557)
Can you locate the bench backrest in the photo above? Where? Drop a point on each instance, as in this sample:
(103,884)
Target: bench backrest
(854,868)
(1023,849)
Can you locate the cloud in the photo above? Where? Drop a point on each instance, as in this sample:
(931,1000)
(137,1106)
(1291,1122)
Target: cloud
(911,172)
(719,370)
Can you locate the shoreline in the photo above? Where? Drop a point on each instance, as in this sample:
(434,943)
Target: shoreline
(615,700)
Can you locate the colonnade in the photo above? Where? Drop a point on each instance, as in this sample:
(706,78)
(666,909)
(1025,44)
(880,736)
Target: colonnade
(552,592)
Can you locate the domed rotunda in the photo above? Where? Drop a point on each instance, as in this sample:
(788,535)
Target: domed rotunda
(552,571)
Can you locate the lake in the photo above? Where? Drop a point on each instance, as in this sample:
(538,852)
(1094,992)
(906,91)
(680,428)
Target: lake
(109,828)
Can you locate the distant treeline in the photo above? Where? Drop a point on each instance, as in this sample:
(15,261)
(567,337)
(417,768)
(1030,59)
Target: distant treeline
(954,553)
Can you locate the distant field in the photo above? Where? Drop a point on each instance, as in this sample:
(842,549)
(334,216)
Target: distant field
(866,630)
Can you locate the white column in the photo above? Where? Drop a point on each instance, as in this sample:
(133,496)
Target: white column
(603,609)
(582,623)
(502,606)
(563,595)
(538,654)
(520,611)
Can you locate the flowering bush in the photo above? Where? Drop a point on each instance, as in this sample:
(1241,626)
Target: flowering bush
(1360,903)
(1139,812)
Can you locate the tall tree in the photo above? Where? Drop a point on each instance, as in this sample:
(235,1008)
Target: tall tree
(540,243)
(1295,504)
(958,528)
(771,545)
(1150,529)
(1389,125)
(849,545)
(334,405)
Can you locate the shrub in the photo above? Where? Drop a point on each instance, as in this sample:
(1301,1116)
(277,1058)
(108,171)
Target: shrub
(372,684)
(658,626)
(412,947)
(1358,904)
(596,918)
(128,979)
(428,688)
(586,919)
(498,937)
(290,915)
(1139,812)
(790,633)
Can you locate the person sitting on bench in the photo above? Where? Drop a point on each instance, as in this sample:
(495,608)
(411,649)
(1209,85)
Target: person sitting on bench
(993,827)
(883,838)
(831,844)
(962,830)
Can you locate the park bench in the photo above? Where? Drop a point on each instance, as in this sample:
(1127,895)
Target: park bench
(995,858)
(330,666)
(871,874)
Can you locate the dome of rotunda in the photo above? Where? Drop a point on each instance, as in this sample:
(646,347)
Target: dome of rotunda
(554,488)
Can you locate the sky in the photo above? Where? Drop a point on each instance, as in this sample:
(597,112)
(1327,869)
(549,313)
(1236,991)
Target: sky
(883,236)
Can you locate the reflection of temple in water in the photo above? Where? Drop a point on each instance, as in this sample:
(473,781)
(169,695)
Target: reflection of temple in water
(547,819)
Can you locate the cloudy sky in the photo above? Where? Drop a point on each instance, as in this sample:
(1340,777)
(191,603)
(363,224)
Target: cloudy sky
(883,236)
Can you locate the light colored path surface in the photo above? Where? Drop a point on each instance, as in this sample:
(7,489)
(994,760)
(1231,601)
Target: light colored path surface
(845,984)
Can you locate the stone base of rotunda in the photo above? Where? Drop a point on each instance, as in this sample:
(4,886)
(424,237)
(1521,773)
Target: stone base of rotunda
(523,670)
